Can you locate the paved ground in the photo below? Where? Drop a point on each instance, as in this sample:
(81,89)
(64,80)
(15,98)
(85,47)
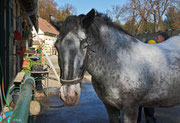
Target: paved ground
(89,110)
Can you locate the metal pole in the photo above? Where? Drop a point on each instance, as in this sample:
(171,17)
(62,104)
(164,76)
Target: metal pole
(21,111)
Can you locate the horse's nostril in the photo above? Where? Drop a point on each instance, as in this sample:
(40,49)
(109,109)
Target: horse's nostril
(76,93)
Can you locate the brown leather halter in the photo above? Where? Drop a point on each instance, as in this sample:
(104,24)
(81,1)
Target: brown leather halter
(71,82)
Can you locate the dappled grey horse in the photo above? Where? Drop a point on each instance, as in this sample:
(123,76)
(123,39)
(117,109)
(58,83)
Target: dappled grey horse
(126,73)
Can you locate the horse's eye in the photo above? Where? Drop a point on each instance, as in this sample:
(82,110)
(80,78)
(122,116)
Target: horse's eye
(84,44)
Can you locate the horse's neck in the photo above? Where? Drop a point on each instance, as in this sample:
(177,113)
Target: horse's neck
(107,49)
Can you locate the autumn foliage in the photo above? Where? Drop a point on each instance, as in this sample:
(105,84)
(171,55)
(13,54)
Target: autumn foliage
(47,7)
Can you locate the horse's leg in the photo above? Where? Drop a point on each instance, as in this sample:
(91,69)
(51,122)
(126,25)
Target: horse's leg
(149,114)
(114,113)
(130,114)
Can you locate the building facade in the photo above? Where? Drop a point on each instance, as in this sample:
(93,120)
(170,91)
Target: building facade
(47,34)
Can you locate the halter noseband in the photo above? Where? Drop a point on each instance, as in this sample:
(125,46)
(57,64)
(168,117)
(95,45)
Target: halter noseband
(71,82)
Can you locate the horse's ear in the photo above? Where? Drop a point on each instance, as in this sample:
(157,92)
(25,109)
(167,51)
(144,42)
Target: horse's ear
(88,19)
(55,22)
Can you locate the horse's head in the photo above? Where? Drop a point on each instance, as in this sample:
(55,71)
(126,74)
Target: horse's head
(72,54)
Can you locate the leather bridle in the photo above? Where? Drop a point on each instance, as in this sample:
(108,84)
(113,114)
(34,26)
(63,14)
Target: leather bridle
(77,80)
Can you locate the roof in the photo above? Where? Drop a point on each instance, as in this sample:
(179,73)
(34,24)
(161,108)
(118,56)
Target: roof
(47,27)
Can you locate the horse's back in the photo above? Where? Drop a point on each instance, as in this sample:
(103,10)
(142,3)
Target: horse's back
(166,84)
(171,43)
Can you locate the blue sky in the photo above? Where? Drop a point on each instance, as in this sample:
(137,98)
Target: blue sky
(84,6)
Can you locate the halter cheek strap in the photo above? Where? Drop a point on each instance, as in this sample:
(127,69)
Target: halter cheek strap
(74,81)
(71,82)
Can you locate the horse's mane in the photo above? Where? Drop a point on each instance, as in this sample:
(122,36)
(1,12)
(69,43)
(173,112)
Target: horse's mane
(73,22)
(101,20)
(105,19)
(68,25)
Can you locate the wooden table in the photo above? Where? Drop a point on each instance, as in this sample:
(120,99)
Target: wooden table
(45,76)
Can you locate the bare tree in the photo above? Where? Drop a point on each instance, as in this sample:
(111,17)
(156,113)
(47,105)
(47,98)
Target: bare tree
(116,12)
(143,15)
(159,8)
(65,11)
(143,10)
(150,11)
(172,19)
(131,19)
